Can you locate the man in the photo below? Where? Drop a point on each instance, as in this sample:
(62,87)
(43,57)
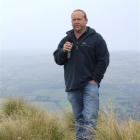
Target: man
(85,57)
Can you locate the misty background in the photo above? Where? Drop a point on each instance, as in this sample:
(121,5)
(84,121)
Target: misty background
(30,32)
(31,25)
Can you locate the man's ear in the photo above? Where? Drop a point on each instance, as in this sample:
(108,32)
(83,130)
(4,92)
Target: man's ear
(86,21)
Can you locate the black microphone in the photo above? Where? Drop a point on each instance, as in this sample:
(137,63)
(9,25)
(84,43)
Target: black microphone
(69,52)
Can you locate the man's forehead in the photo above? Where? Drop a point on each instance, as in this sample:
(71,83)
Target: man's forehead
(77,13)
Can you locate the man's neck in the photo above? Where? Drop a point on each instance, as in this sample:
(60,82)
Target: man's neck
(78,34)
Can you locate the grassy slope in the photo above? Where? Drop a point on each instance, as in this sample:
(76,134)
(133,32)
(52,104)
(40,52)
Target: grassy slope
(22,121)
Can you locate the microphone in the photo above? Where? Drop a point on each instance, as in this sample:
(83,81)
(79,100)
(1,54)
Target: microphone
(69,52)
(69,55)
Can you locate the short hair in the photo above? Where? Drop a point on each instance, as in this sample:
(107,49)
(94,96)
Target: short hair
(82,11)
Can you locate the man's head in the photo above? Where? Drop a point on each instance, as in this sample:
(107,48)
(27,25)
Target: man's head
(79,20)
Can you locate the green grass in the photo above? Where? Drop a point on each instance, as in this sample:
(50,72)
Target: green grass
(22,121)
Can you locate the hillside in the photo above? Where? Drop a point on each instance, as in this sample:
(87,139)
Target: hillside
(36,78)
(21,121)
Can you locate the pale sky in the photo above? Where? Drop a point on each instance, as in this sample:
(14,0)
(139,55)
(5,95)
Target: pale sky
(39,25)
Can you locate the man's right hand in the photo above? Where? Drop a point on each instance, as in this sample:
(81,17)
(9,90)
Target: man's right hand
(67,46)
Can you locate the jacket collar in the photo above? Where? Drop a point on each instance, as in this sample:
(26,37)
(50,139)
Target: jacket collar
(89,31)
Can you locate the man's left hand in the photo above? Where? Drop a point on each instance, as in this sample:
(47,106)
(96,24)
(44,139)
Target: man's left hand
(93,82)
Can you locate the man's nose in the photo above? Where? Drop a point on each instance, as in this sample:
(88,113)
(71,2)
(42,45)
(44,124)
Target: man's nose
(76,21)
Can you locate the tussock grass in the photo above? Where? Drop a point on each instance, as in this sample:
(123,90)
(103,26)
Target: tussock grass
(109,128)
(22,121)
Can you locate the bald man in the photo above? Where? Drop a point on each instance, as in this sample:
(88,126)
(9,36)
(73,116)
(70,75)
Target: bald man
(85,57)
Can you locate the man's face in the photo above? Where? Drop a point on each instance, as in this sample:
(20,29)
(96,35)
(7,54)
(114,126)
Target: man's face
(78,21)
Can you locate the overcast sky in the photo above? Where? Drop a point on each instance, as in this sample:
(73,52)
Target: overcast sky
(39,25)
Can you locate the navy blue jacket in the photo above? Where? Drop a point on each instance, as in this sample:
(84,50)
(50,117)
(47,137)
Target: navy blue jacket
(88,61)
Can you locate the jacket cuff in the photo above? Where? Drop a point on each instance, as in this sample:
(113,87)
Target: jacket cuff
(96,79)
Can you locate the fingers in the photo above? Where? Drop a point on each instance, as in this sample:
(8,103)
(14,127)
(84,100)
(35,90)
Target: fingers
(67,47)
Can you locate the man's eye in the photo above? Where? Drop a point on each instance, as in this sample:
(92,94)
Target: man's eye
(76,19)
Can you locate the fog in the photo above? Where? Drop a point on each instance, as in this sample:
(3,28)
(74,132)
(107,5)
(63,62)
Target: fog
(29,26)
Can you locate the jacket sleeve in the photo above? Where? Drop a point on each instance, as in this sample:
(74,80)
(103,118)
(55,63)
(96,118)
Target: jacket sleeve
(60,56)
(102,59)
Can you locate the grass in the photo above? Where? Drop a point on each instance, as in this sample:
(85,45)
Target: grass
(110,129)
(22,121)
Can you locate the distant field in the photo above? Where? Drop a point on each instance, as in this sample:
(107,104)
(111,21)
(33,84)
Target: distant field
(38,79)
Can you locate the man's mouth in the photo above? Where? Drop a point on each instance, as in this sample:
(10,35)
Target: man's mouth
(77,26)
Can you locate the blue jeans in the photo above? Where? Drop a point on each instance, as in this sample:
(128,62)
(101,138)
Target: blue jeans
(85,106)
